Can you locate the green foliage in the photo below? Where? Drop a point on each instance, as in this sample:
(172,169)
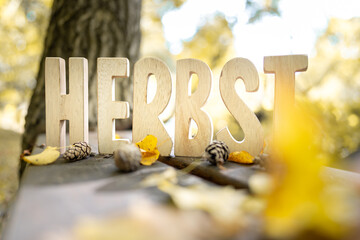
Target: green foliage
(213,43)
(331,86)
(23,23)
(339,125)
(258,10)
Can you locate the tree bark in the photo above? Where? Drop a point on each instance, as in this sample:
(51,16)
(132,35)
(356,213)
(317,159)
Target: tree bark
(90,29)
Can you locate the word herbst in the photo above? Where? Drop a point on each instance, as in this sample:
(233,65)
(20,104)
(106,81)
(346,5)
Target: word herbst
(74,106)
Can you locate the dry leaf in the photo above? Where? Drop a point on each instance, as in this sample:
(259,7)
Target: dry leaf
(149,151)
(224,204)
(26,152)
(144,220)
(148,158)
(49,155)
(156,179)
(241,157)
(261,183)
(148,144)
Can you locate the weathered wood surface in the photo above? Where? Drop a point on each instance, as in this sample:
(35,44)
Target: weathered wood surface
(52,198)
(234,174)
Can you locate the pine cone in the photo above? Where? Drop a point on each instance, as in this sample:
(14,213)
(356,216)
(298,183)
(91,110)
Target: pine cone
(217,152)
(77,151)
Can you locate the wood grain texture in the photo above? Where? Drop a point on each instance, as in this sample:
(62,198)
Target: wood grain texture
(284,68)
(189,108)
(108,108)
(146,115)
(61,106)
(254,137)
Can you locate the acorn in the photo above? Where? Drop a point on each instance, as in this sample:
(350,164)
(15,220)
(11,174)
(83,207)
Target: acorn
(216,153)
(127,157)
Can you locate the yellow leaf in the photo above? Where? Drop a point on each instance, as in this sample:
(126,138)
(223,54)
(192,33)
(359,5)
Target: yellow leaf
(148,158)
(241,157)
(148,144)
(49,155)
(157,179)
(149,151)
(224,204)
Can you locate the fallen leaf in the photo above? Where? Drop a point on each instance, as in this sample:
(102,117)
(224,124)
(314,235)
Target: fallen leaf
(261,184)
(144,220)
(241,157)
(149,151)
(49,155)
(148,158)
(224,204)
(26,152)
(156,179)
(148,144)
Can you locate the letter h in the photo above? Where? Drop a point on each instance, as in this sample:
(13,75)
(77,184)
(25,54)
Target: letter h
(61,106)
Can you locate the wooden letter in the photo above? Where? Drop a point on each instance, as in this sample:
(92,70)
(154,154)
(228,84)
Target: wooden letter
(61,106)
(284,68)
(145,116)
(254,136)
(189,107)
(108,109)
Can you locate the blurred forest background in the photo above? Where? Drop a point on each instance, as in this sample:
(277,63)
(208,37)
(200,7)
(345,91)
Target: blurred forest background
(328,31)
(215,34)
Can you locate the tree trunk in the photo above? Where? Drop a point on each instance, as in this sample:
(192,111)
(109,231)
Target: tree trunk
(90,29)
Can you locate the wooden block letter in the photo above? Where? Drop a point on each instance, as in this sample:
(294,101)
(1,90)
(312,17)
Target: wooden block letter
(189,107)
(145,116)
(108,108)
(284,68)
(254,136)
(61,106)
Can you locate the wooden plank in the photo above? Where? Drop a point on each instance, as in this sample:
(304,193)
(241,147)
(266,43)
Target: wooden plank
(234,174)
(53,198)
(340,176)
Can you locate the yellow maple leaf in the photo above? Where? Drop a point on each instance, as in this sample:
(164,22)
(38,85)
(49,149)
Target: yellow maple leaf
(49,155)
(149,151)
(241,157)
